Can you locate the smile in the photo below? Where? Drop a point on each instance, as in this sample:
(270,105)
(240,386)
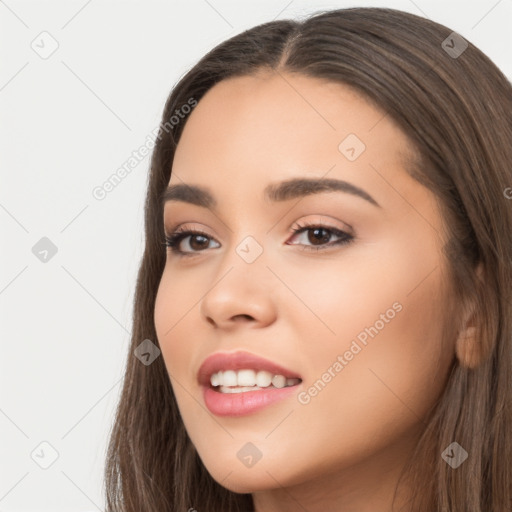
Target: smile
(230,381)
(240,383)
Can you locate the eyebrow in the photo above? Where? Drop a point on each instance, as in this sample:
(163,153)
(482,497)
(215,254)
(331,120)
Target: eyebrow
(275,192)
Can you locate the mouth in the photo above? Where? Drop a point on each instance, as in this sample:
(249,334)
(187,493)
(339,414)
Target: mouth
(240,383)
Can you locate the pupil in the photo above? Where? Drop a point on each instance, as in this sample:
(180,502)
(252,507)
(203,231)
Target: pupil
(321,239)
(195,238)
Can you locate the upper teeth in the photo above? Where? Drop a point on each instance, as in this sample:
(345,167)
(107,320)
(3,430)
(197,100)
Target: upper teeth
(261,379)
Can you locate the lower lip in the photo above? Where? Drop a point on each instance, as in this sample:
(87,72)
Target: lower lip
(239,404)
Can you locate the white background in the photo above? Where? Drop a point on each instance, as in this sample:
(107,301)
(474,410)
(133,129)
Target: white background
(67,123)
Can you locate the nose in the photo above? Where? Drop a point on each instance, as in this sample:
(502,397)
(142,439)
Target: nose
(240,293)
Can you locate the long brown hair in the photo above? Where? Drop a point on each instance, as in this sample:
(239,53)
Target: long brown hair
(457,112)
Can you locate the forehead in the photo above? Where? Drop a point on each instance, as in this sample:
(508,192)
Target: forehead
(269,126)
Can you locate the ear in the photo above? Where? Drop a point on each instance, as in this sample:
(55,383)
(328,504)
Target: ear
(468,348)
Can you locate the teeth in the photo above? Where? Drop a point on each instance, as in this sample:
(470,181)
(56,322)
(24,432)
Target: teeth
(229,378)
(231,381)
(214,379)
(279,381)
(245,378)
(263,379)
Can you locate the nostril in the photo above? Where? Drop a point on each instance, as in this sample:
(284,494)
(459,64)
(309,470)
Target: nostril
(243,317)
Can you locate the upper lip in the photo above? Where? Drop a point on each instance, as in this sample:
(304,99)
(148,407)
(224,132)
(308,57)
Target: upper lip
(238,361)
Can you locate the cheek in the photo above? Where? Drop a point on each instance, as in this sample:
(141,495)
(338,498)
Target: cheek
(335,301)
(380,394)
(382,369)
(170,316)
(178,340)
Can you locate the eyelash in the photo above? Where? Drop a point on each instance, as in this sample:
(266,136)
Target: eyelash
(173,240)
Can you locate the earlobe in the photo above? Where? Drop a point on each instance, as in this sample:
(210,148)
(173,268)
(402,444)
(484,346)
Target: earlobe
(469,348)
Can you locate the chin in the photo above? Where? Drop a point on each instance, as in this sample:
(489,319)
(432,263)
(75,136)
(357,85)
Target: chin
(246,480)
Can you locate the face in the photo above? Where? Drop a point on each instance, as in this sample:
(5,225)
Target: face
(343,290)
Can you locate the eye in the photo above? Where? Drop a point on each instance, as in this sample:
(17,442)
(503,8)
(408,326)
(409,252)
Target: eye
(198,241)
(319,235)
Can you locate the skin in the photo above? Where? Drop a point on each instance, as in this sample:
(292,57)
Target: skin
(344,449)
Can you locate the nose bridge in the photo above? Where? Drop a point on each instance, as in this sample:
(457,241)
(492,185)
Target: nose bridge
(250,249)
(247,236)
(249,230)
(244,264)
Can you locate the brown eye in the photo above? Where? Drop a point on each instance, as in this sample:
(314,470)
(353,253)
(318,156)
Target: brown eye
(317,237)
(198,241)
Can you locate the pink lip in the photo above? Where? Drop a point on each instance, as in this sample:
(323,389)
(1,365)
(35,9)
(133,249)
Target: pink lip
(239,404)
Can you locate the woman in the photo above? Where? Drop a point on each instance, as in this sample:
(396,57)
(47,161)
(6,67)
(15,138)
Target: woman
(327,274)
